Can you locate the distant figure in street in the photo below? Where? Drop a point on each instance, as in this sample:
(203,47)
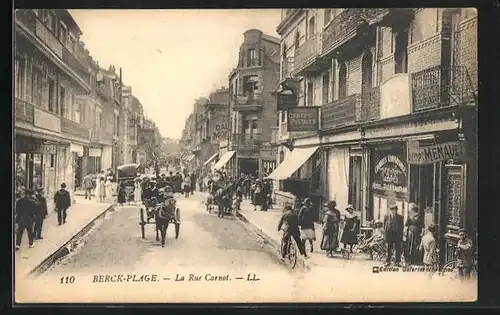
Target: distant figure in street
(187,185)
(108,187)
(291,229)
(88,184)
(99,188)
(429,247)
(62,201)
(193,182)
(349,234)
(464,255)
(330,240)
(393,227)
(121,194)
(138,191)
(306,220)
(26,208)
(41,213)
(257,195)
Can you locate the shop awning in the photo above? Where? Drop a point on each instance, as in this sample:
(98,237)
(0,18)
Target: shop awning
(190,158)
(292,162)
(211,159)
(224,159)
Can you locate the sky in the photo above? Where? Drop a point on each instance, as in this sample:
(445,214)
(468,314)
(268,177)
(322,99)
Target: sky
(171,57)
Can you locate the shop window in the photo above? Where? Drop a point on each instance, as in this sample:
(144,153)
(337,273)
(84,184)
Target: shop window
(422,186)
(37,170)
(21,169)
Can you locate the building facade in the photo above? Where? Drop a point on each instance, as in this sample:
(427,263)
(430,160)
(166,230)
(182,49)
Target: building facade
(396,93)
(253,113)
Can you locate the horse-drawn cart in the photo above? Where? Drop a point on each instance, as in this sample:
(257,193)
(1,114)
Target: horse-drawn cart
(161,212)
(126,178)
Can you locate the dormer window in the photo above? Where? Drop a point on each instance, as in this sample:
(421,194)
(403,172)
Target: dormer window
(252,58)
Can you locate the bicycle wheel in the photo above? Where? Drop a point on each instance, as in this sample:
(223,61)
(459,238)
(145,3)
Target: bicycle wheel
(292,253)
(449,270)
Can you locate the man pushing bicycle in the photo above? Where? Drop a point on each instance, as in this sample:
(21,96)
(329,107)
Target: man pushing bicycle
(291,229)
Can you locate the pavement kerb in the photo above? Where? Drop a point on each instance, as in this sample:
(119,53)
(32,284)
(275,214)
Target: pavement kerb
(69,246)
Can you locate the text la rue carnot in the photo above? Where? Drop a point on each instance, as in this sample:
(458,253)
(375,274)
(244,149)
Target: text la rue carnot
(210,277)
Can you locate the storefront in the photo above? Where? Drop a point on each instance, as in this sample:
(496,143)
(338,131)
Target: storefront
(35,163)
(77,152)
(226,163)
(94,160)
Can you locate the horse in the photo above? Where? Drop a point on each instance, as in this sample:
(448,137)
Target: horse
(163,214)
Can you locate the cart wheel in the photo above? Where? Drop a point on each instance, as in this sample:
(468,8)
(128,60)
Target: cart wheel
(142,223)
(177,229)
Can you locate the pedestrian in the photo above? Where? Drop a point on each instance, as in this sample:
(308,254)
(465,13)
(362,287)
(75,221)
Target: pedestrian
(99,188)
(291,229)
(41,214)
(26,211)
(187,185)
(393,227)
(88,184)
(138,191)
(429,248)
(121,194)
(413,236)
(193,182)
(306,220)
(349,234)
(266,195)
(257,195)
(330,239)
(62,201)
(464,254)
(108,187)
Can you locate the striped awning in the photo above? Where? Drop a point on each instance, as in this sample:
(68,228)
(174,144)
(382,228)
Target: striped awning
(212,158)
(224,159)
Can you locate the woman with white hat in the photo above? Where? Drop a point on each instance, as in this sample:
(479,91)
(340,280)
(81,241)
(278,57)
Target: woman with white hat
(109,189)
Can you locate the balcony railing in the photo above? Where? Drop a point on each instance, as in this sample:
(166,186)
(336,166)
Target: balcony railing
(73,128)
(287,68)
(249,101)
(370,104)
(305,54)
(30,20)
(24,111)
(346,25)
(247,140)
(340,113)
(442,86)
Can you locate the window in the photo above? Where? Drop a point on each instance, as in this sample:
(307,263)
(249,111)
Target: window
(327,16)
(50,21)
(36,86)
(63,34)
(252,59)
(19,78)
(98,120)
(297,40)
(62,99)
(401,53)
(310,94)
(342,81)
(77,114)
(326,86)
(52,96)
(312,27)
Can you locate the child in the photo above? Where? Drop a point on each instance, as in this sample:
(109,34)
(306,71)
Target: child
(464,255)
(428,246)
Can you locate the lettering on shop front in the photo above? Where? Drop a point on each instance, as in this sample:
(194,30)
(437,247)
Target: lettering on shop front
(302,119)
(390,173)
(436,153)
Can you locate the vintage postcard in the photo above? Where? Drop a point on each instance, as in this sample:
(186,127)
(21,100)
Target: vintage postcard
(245,156)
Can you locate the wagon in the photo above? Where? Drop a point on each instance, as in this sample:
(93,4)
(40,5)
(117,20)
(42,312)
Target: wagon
(161,214)
(126,175)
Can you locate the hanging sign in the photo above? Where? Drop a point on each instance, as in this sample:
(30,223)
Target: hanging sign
(435,153)
(95,152)
(303,118)
(390,171)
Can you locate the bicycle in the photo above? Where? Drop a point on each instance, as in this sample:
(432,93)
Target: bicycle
(291,255)
(451,269)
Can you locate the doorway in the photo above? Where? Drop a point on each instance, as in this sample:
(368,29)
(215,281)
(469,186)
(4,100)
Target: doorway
(354,197)
(78,170)
(248,166)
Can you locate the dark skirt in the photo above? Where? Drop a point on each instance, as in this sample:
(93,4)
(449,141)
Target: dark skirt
(330,239)
(412,252)
(187,188)
(121,196)
(349,237)
(257,199)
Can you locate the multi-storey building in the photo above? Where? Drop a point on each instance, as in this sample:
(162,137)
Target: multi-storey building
(253,106)
(396,94)
(52,126)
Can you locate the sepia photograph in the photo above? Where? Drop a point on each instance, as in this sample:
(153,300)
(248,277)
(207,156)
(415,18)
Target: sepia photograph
(323,155)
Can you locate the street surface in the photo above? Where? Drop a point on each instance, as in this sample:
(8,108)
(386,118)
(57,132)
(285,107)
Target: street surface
(116,265)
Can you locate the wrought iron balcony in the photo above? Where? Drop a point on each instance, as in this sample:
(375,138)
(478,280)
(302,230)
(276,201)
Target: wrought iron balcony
(75,129)
(340,113)
(306,56)
(287,66)
(247,102)
(24,111)
(31,21)
(346,25)
(243,140)
(442,86)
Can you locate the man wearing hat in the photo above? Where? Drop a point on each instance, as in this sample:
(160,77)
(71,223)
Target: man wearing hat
(306,220)
(62,201)
(41,213)
(26,208)
(393,227)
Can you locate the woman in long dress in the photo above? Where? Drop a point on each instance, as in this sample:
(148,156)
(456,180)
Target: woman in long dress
(413,236)
(99,188)
(330,239)
(138,191)
(109,189)
(349,234)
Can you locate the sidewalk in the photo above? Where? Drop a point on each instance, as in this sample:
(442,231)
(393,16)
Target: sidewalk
(81,213)
(267,223)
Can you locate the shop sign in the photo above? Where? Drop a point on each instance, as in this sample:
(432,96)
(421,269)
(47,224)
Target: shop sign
(35,147)
(435,153)
(95,152)
(287,101)
(303,119)
(390,172)
(76,148)
(47,121)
